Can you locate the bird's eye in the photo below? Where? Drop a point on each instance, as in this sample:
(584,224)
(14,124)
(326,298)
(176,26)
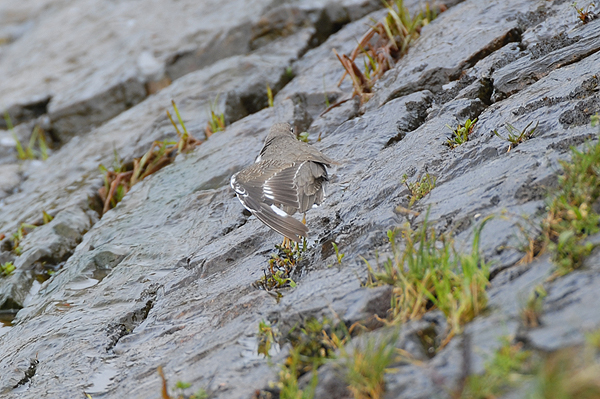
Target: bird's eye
(292,130)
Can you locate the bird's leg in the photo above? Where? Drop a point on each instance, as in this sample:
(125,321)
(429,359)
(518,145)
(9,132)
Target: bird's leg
(304,219)
(286,242)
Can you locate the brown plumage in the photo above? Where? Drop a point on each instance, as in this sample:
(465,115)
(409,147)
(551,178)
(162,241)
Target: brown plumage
(286,178)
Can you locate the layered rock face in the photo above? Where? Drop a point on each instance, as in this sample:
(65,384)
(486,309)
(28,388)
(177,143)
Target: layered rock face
(166,277)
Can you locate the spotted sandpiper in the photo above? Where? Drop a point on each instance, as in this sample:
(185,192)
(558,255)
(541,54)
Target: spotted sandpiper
(287,177)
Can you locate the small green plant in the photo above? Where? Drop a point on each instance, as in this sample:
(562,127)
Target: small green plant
(37,137)
(17,237)
(339,256)
(592,340)
(216,122)
(6,269)
(269,96)
(428,273)
(289,73)
(530,314)
(180,388)
(185,140)
(288,379)
(266,338)
(585,14)
(23,230)
(303,137)
(515,137)
(419,188)
(510,367)
(46,217)
(312,345)
(281,265)
(461,134)
(182,385)
(570,373)
(366,367)
(571,217)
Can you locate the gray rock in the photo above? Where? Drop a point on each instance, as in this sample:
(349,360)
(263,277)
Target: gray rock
(166,277)
(9,179)
(106,56)
(45,248)
(440,56)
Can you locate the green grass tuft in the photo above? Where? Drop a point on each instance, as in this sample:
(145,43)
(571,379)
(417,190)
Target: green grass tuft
(428,273)
(266,338)
(383,44)
(339,256)
(303,136)
(216,123)
(119,180)
(461,134)
(6,269)
(37,137)
(516,137)
(510,367)
(366,367)
(571,217)
(269,96)
(585,14)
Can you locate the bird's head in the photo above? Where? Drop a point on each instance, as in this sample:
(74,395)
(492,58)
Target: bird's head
(281,130)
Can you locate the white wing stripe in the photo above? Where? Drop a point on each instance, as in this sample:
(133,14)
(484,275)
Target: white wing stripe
(279,211)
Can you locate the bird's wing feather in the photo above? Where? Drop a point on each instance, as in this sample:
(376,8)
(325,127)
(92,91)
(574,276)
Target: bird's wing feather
(309,184)
(285,225)
(282,189)
(274,181)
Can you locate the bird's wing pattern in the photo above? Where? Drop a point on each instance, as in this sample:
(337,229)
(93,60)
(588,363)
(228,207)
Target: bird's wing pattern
(274,218)
(275,190)
(281,188)
(309,184)
(270,181)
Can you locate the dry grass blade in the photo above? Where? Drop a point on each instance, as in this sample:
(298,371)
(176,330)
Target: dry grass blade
(164,390)
(119,177)
(359,82)
(160,154)
(384,43)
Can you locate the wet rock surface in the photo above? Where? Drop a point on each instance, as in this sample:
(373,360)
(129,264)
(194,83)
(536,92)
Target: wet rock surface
(166,277)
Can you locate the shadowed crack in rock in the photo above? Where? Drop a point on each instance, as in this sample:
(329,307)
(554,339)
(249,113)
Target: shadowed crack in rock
(513,35)
(130,321)
(20,113)
(417,114)
(79,118)
(29,373)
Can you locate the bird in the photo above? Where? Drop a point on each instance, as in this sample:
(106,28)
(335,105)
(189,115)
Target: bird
(287,177)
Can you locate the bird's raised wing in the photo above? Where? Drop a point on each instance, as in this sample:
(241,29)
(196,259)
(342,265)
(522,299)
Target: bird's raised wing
(267,189)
